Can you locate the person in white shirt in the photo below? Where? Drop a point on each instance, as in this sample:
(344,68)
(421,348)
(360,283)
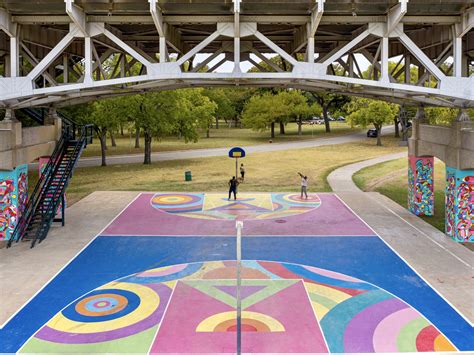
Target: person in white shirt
(242,172)
(304,185)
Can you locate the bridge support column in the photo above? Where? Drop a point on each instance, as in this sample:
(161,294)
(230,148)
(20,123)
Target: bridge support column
(9,115)
(13,199)
(420,185)
(460,204)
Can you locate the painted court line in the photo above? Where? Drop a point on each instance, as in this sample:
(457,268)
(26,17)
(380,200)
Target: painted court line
(162,318)
(316,316)
(231,235)
(67,264)
(239,226)
(406,262)
(390,293)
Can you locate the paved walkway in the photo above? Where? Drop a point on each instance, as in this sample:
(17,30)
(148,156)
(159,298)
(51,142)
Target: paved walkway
(24,271)
(219,152)
(447,266)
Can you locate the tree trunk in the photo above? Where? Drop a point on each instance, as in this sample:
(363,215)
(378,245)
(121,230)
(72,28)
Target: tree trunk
(282,128)
(121,130)
(379,135)
(397,128)
(112,139)
(300,127)
(217,122)
(326,118)
(137,137)
(103,146)
(147,159)
(208,132)
(273,130)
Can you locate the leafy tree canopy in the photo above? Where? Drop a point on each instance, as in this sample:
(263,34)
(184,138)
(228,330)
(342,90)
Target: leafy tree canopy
(365,112)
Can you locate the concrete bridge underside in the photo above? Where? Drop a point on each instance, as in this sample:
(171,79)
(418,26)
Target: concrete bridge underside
(58,52)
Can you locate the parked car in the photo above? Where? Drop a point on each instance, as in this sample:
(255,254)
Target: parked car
(341,119)
(372,133)
(317,121)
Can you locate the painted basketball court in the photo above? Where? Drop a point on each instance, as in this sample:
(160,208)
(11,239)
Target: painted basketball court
(161,278)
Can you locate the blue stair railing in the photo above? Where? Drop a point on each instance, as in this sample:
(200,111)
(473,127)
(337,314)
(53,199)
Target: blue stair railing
(48,194)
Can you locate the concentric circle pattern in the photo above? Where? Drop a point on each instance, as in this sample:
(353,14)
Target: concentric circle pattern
(103,305)
(354,316)
(115,311)
(246,207)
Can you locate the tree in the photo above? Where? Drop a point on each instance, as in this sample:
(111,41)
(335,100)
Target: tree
(364,112)
(154,114)
(200,111)
(103,115)
(262,111)
(444,115)
(225,107)
(297,107)
(161,114)
(328,102)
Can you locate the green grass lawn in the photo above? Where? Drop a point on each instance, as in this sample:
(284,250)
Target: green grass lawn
(391,180)
(222,137)
(268,172)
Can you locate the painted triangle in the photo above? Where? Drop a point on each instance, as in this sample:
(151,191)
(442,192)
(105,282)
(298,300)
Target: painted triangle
(212,289)
(240,206)
(245,291)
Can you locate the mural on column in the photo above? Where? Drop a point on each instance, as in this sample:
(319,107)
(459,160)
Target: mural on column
(460,204)
(43,161)
(450,203)
(13,198)
(421,185)
(22,178)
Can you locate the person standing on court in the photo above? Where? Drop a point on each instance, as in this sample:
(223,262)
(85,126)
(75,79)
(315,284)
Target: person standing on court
(304,185)
(233,183)
(242,171)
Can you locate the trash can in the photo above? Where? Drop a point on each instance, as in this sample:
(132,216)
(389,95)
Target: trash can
(188,176)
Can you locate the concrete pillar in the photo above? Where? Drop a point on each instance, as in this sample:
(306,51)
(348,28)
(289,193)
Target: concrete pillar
(13,199)
(9,115)
(421,185)
(460,204)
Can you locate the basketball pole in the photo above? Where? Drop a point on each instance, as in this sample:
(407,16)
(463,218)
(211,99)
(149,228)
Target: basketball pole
(236,168)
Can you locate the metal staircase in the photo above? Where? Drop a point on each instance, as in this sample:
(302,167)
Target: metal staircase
(43,203)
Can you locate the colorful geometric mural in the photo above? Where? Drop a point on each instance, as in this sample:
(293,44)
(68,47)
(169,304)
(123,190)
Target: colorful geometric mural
(460,204)
(246,207)
(13,199)
(286,308)
(420,185)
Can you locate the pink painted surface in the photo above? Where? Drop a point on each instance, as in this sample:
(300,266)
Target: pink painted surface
(385,339)
(177,333)
(332,218)
(302,332)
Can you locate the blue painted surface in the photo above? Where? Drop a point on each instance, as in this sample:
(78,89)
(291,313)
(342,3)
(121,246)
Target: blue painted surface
(110,258)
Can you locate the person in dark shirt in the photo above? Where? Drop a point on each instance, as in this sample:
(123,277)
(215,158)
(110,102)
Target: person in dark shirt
(233,183)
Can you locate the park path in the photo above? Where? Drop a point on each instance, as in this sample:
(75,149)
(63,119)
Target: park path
(220,152)
(444,264)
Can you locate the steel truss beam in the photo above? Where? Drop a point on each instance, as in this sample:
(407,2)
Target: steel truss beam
(234,37)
